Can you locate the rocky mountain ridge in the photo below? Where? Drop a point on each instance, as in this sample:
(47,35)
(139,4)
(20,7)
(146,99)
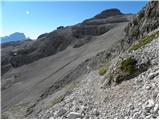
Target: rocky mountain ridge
(58,40)
(13,37)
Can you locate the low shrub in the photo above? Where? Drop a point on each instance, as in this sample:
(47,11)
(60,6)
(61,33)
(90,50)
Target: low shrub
(128,65)
(102,71)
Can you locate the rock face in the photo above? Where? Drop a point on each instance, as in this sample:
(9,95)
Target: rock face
(9,50)
(99,24)
(144,22)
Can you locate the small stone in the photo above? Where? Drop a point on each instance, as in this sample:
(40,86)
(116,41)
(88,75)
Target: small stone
(148,117)
(148,87)
(51,118)
(85,104)
(102,78)
(80,101)
(87,117)
(76,109)
(83,108)
(61,112)
(74,115)
(156,108)
(152,75)
(136,115)
(131,107)
(126,117)
(95,112)
(139,80)
(149,104)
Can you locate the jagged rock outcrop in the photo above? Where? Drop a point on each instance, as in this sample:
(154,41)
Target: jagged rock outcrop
(99,24)
(144,22)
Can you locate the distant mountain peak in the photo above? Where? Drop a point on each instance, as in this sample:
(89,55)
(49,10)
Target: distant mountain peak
(108,13)
(13,37)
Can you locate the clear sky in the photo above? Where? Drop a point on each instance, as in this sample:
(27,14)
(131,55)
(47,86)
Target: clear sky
(34,18)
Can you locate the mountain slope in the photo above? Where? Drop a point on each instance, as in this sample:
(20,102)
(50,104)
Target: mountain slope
(43,73)
(51,82)
(91,97)
(58,40)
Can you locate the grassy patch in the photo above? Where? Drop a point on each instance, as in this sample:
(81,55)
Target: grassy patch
(58,100)
(128,65)
(102,71)
(144,41)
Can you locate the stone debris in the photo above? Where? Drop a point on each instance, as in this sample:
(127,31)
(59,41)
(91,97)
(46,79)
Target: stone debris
(136,98)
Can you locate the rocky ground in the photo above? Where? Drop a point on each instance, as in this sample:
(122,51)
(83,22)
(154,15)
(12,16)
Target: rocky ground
(63,80)
(135,98)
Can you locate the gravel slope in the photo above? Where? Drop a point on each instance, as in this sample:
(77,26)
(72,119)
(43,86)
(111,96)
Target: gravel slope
(135,98)
(40,75)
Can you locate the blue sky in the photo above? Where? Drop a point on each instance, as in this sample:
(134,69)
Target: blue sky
(34,18)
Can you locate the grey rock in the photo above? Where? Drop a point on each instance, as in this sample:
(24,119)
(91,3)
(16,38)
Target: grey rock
(149,104)
(152,75)
(51,118)
(136,115)
(76,109)
(148,87)
(96,112)
(61,112)
(74,115)
(148,116)
(156,108)
(131,107)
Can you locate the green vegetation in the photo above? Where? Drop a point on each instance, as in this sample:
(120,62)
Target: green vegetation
(58,100)
(135,32)
(102,71)
(144,41)
(128,65)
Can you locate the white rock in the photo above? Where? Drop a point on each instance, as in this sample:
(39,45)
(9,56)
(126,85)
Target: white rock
(95,112)
(149,104)
(73,115)
(136,115)
(102,78)
(51,118)
(148,117)
(152,75)
(131,107)
(148,87)
(156,108)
